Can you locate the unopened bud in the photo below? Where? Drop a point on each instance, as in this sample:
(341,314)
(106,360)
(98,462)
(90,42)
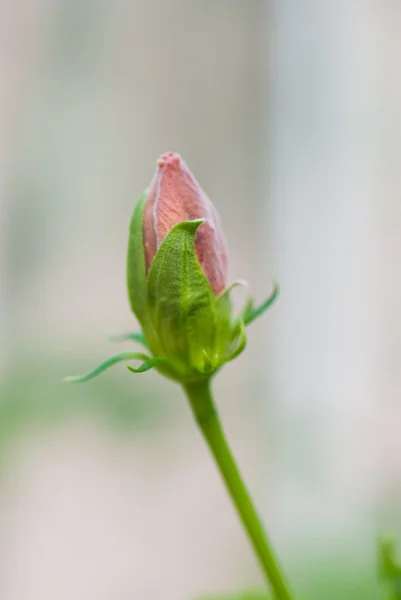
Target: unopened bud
(174,196)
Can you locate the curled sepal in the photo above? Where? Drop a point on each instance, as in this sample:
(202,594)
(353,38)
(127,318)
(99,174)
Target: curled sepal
(250,312)
(106,365)
(133,336)
(225,297)
(234,284)
(149,364)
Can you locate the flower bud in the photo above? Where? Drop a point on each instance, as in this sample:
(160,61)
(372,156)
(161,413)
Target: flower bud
(174,196)
(176,273)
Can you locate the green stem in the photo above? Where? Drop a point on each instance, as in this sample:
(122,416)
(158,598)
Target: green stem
(206,416)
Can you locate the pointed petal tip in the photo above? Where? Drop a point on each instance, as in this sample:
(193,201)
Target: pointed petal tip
(169,159)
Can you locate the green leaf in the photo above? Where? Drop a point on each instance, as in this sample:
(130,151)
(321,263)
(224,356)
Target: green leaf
(136,275)
(106,365)
(250,312)
(181,303)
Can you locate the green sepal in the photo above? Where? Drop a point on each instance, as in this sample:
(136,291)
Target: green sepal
(148,364)
(250,312)
(136,273)
(106,365)
(225,326)
(237,341)
(181,303)
(132,336)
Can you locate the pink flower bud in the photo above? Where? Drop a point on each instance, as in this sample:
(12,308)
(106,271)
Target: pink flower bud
(174,196)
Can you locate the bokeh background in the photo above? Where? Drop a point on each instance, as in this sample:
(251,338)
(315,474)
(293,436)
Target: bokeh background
(289,114)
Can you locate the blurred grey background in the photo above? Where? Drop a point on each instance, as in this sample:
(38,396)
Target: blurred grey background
(289,114)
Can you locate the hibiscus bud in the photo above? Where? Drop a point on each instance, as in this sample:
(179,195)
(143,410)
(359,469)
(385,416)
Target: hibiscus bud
(176,274)
(174,196)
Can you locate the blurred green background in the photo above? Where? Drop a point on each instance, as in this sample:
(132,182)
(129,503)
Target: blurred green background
(289,114)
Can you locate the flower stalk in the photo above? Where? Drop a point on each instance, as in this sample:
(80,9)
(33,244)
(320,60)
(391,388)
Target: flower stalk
(201,401)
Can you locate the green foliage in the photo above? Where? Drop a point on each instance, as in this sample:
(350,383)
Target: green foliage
(389,569)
